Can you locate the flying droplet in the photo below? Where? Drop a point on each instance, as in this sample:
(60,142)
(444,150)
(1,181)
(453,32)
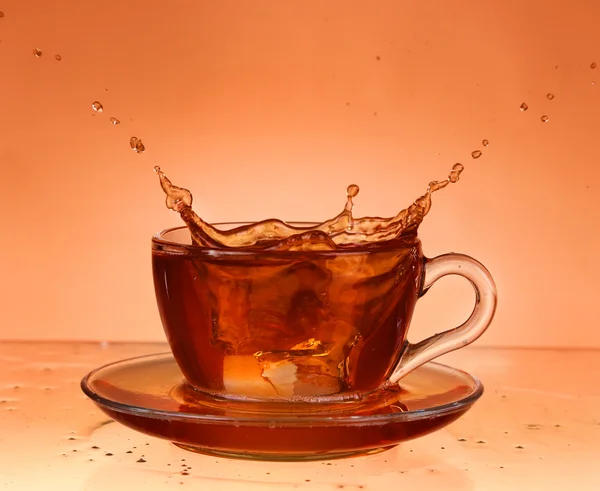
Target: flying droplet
(593,65)
(524,107)
(1,15)
(115,121)
(156,169)
(544,118)
(455,173)
(58,57)
(476,154)
(352,190)
(485,143)
(37,52)
(96,106)
(550,96)
(137,145)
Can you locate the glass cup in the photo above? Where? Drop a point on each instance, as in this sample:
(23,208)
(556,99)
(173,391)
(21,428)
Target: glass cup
(304,326)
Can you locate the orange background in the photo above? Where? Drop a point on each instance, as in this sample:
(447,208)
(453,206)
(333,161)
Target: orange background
(272,108)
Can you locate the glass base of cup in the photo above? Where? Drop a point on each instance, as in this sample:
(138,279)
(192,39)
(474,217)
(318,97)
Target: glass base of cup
(351,403)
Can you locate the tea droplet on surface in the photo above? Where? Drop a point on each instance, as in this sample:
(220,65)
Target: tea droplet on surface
(115,121)
(523,107)
(96,106)
(58,57)
(550,96)
(137,145)
(485,143)
(593,65)
(476,154)
(544,118)
(37,52)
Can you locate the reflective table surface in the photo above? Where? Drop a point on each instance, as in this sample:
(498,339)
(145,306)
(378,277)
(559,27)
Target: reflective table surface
(537,426)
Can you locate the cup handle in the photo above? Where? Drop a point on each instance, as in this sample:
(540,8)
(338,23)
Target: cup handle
(415,355)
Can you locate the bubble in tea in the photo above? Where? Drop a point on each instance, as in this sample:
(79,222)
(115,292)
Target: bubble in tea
(58,58)
(550,96)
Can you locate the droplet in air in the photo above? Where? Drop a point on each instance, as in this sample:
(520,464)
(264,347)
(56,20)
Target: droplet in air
(550,96)
(352,190)
(544,118)
(485,143)
(37,52)
(524,107)
(455,173)
(593,65)
(1,15)
(58,57)
(96,106)
(115,121)
(137,145)
(476,154)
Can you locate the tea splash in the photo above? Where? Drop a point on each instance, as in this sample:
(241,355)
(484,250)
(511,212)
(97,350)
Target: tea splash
(341,232)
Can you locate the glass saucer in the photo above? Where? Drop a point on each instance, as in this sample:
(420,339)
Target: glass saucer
(149,394)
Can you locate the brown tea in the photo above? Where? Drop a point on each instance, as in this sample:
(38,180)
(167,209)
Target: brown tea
(288,311)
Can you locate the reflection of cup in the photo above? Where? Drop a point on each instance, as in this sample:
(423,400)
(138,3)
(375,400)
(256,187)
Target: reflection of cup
(311,326)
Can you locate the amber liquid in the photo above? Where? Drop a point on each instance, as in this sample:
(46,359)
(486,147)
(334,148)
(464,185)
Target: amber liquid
(288,325)
(290,311)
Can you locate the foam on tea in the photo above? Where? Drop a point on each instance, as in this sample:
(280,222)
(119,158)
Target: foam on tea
(342,231)
(291,328)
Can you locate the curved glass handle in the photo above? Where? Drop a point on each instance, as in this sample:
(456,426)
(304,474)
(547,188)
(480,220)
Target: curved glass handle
(414,355)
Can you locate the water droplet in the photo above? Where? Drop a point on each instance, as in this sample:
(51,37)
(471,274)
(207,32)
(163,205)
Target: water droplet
(156,169)
(96,106)
(137,145)
(1,15)
(476,154)
(378,58)
(58,57)
(593,65)
(115,121)
(550,96)
(544,118)
(352,190)
(485,143)
(37,52)
(524,107)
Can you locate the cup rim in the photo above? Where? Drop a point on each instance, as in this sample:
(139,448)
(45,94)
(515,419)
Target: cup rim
(174,247)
